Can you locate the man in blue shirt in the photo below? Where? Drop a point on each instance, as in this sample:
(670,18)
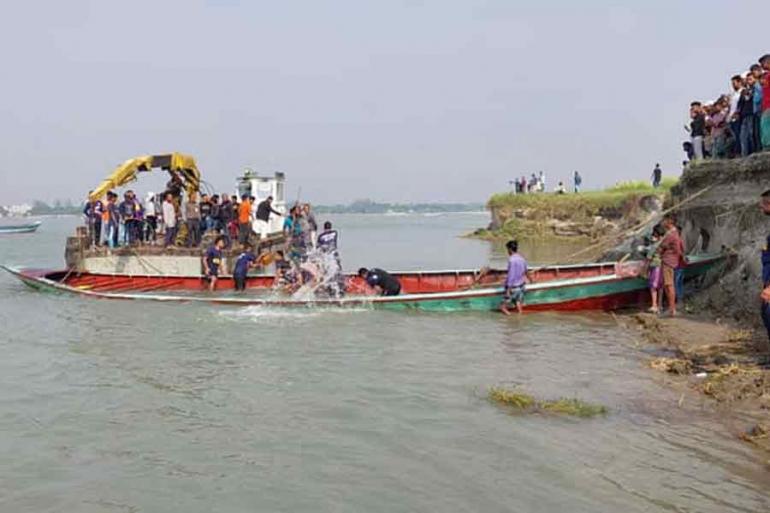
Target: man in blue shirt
(515,280)
(756,74)
(243,263)
(212,261)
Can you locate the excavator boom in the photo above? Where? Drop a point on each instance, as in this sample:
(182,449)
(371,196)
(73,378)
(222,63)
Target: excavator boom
(175,163)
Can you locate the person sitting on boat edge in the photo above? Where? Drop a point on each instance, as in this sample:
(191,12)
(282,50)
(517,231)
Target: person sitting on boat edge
(245,261)
(382,281)
(212,261)
(516,279)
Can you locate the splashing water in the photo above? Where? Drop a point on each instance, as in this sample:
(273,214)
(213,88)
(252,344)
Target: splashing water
(277,315)
(327,277)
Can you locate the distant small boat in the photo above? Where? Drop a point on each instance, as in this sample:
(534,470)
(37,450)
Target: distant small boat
(20,228)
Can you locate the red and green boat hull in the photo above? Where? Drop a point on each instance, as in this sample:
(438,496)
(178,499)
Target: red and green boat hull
(562,288)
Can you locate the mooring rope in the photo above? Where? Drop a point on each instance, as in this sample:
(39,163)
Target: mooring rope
(638,227)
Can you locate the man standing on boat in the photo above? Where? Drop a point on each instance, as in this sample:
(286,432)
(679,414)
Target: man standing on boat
(515,280)
(312,224)
(244,220)
(327,241)
(169,220)
(93,214)
(113,219)
(262,223)
(192,212)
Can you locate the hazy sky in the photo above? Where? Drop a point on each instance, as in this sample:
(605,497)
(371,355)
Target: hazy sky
(392,100)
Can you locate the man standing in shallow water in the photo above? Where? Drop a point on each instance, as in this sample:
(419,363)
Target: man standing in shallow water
(516,279)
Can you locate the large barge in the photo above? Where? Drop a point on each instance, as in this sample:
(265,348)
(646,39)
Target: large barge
(82,257)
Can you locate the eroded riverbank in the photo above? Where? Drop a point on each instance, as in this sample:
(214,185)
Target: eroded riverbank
(726,367)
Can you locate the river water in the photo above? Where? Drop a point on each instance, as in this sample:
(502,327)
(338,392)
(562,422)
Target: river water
(143,407)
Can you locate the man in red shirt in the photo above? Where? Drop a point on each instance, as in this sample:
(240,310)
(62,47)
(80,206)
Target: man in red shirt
(670,249)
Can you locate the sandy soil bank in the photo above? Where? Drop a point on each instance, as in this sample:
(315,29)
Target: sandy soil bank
(729,368)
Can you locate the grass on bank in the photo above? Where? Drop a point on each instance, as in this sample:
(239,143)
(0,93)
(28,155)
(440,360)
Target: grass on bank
(525,215)
(528,404)
(589,201)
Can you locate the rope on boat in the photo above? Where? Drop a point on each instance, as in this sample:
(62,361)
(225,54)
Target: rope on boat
(147,263)
(636,229)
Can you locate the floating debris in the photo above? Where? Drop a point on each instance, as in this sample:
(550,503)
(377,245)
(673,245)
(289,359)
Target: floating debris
(511,398)
(527,403)
(756,433)
(672,365)
(574,407)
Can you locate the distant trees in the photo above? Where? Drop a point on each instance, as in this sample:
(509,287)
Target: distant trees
(41,208)
(367,206)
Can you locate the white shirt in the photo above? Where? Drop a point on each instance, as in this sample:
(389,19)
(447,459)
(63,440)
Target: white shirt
(149,208)
(169,214)
(733,104)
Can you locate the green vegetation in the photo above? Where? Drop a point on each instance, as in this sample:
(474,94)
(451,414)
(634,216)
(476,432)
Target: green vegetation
(584,203)
(40,208)
(526,403)
(574,407)
(367,206)
(512,398)
(533,215)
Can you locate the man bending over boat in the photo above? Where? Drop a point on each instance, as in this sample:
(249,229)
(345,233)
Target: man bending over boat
(381,281)
(516,279)
(245,261)
(212,261)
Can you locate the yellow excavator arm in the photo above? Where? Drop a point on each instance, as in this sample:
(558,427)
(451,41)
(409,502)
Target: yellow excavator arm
(176,164)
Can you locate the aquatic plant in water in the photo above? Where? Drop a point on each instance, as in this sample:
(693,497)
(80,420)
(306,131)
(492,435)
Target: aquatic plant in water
(527,403)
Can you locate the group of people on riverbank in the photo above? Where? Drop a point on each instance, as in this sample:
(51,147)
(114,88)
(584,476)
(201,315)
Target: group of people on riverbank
(536,183)
(132,222)
(736,124)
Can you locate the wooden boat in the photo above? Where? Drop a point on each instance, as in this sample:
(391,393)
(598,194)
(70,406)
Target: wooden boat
(598,286)
(20,228)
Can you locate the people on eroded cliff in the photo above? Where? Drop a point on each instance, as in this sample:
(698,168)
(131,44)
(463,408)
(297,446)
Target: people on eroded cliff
(736,124)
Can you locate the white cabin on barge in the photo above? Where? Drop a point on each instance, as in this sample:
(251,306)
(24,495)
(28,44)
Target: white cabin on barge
(261,187)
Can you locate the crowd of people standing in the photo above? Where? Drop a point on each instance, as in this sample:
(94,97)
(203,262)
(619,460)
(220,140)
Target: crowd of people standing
(131,222)
(536,183)
(736,124)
